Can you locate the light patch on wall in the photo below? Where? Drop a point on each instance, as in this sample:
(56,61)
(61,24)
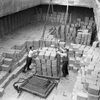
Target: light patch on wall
(76,1)
(87,3)
(98,3)
(62,2)
(99,35)
(12,98)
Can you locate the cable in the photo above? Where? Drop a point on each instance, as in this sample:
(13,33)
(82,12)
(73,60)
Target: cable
(52,13)
(46,21)
(15,85)
(66,14)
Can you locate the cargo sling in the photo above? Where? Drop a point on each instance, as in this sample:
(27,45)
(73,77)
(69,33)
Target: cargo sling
(36,85)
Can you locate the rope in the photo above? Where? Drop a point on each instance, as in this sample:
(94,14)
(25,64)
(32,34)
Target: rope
(20,81)
(52,13)
(46,21)
(44,29)
(66,14)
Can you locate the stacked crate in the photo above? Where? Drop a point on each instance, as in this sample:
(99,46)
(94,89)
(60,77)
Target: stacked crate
(87,57)
(86,20)
(72,60)
(47,62)
(88,79)
(77,54)
(59,32)
(11,64)
(78,38)
(58,17)
(62,19)
(62,32)
(83,37)
(3,76)
(74,34)
(74,57)
(19,52)
(71,29)
(54,19)
(7,61)
(67,32)
(51,40)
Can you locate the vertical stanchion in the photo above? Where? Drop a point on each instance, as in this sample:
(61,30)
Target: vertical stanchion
(2,28)
(58,66)
(10,23)
(15,21)
(1,33)
(5,25)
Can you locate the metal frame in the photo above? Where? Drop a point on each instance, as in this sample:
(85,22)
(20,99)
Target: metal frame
(49,88)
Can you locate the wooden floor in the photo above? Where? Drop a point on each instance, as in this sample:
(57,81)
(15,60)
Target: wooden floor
(31,32)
